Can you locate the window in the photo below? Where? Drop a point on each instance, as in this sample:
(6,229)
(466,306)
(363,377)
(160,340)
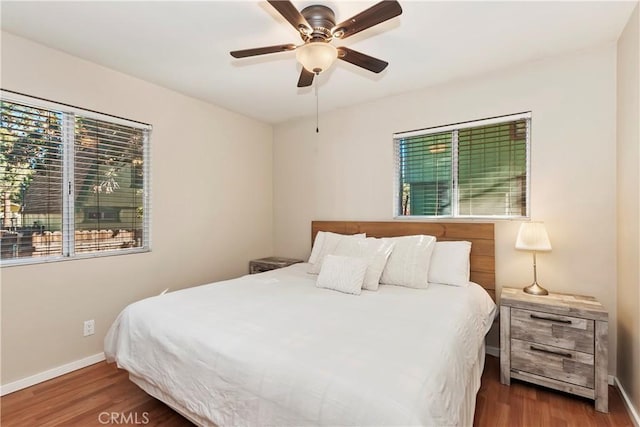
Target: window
(73,183)
(471,169)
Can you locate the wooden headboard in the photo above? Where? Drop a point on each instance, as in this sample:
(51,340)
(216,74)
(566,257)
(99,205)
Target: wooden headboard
(479,234)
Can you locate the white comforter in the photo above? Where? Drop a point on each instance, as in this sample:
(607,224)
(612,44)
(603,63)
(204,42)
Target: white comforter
(272,349)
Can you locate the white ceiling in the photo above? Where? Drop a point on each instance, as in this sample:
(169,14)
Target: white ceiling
(185,45)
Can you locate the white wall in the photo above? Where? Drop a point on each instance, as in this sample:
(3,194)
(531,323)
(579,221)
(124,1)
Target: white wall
(212,209)
(628,135)
(346,171)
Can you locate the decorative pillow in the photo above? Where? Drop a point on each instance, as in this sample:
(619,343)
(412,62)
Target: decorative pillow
(342,273)
(375,251)
(329,241)
(408,264)
(450,263)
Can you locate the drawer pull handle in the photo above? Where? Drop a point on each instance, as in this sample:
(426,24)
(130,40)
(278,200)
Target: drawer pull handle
(544,350)
(550,319)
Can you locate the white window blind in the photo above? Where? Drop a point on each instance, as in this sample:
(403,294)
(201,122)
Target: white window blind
(472,169)
(74,183)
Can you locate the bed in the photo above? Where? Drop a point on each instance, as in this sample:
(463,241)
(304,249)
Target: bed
(272,349)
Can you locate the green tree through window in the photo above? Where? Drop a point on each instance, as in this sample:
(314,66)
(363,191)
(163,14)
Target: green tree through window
(474,169)
(71,182)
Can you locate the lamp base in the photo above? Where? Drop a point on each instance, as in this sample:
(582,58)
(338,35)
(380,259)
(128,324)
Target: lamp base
(535,289)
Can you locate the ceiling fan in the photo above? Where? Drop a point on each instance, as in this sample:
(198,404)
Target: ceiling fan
(317,27)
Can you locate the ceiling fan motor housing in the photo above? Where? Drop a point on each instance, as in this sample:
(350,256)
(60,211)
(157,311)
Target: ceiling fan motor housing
(321,19)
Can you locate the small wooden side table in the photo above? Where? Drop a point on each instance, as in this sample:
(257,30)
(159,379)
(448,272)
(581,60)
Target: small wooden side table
(558,341)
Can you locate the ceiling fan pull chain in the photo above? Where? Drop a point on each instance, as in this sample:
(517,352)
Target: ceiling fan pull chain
(317,126)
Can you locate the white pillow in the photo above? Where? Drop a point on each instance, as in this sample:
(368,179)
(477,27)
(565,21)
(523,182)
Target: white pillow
(408,264)
(342,273)
(329,241)
(450,263)
(375,251)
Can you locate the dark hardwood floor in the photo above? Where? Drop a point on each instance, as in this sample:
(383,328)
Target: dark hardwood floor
(93,395)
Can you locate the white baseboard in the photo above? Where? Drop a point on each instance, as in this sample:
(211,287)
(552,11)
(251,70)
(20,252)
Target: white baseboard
(50,374)
(633,412)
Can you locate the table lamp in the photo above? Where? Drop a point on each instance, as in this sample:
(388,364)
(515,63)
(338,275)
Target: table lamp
(532,236)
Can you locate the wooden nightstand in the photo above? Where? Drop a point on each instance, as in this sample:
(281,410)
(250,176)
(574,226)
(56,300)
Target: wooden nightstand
(270,263)
(558,341)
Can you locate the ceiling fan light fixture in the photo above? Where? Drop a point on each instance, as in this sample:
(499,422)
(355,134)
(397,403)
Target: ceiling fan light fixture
(316,57)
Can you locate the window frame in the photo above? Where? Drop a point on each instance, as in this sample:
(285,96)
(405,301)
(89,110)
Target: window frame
(68,179)
(454,128)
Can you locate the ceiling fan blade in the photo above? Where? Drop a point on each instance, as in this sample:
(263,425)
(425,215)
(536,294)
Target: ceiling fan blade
(361,60)
(375,15)
(291,14)
(262,50)
(306,78)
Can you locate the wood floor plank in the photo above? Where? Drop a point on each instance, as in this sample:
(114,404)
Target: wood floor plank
(89,396)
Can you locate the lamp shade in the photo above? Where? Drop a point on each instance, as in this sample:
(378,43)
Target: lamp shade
(316,56)
(532,236)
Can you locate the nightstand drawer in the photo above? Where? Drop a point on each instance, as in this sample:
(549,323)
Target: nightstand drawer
(559,364)
(570,333)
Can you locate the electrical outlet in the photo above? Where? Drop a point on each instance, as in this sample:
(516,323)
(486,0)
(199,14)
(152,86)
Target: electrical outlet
(89,327)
